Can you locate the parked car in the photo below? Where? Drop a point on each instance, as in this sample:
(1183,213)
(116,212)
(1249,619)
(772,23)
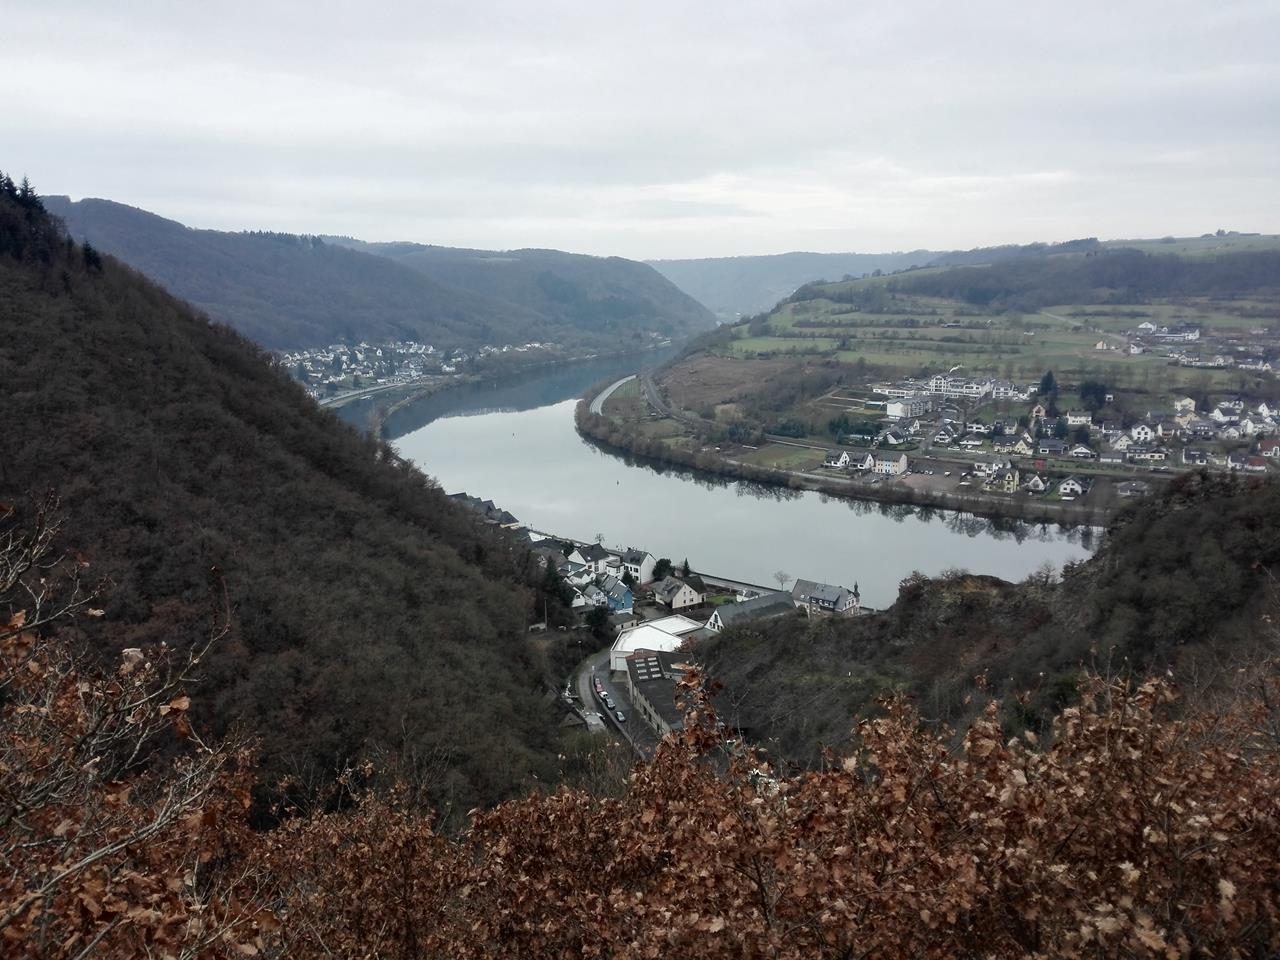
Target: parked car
(622,717)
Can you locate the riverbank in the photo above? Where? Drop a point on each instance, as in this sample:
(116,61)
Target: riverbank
(614,435)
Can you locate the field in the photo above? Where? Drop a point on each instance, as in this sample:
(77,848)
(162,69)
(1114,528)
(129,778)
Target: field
(912,335)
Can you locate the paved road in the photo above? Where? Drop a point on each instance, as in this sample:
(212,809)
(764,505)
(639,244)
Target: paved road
(597,405)
(634,730)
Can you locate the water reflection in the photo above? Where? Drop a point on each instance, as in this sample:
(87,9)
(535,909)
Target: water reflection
(514,445)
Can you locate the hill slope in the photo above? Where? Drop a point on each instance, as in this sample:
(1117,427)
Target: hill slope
(286,291)
(602,295)
(1186,581)
(731,286)
(367,608)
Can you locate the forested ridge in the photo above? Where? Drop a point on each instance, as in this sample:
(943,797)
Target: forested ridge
(1100,276)
(365,608)
(1184,582)
(285,291)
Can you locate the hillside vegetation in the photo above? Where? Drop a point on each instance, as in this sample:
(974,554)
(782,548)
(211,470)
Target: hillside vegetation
(1184,582)
(283,290)
(365,609)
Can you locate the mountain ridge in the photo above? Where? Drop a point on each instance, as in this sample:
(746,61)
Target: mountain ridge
(288,291)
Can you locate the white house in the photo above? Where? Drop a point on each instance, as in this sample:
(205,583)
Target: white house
(1037,484)
(836,458)
(638,563)
(1071,487)
(1079,418)
(676,594)
(763,607)
(1146,326)
(1142,432)
(890,464)
(908,407)
(594,557)
(1184,405)
(825,597)
(1083,451)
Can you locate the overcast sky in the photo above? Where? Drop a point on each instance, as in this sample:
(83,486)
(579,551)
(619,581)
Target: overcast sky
(657,129)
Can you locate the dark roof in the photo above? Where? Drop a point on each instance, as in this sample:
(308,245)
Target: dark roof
(593,551)
(654,676)
(668,588)
(633,556)
(822,592)
(759,608)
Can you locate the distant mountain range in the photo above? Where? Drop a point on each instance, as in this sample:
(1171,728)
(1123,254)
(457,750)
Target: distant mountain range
(741,286)
(738,286)
(284,290)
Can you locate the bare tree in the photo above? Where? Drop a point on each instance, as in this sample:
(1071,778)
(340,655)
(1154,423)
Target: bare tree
(783,578)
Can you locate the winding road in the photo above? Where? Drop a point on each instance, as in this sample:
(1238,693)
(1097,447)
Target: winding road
(597,405)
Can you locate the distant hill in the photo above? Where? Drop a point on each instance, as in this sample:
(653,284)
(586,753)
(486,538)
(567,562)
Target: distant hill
(601,294)
(366,607)
(733,286)
(283,290)
(743,286)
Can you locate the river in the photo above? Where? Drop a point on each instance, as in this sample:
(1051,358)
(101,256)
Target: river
(515,443)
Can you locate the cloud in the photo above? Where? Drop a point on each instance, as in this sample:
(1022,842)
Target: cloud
(661,129)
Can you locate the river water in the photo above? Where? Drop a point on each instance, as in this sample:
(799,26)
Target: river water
(515,443)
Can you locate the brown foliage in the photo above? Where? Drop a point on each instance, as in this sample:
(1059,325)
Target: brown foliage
(1133,831)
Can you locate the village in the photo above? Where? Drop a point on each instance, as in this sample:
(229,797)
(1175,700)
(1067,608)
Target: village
(1043,452)
(651,612)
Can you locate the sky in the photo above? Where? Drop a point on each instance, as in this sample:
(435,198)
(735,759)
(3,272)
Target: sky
(657,129)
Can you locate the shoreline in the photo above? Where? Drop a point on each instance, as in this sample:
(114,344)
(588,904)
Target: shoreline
(594,428)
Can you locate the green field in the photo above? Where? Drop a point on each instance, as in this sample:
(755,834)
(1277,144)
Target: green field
(784,456)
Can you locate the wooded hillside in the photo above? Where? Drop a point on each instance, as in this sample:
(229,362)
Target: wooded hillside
(365,607)
(282,290)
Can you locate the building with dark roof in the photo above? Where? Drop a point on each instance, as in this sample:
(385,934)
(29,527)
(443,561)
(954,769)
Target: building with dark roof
(651,684)
(825,597)
(762,607)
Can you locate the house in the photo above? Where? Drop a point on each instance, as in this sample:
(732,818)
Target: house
(1166,429)
(1071,487)
(624,621)
(1224,413)
(1111,459)
(1051,448)
(1136,348)
(889,464)
(1193,457)
(1255,465)
(825,598)
(1184,405)
(1004,480)
(594,557)
(893,438)
(1269,448)
(1201,428)
(1082,451)
(908,407)
(652,678)
(1146,326)
(1133,488)
(1037,412)
(971,441)
(836,458)
(1079,418)
(676,594)
(1024,447)
(1122,442)
(638,563)
(594,596)
(618,594)
(1110,429)
(1142,432)
(1236,461)
(763,607)
(1148,454)
(1037,484)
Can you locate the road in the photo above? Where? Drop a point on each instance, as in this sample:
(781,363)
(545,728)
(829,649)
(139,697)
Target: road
(634,731)
(597,405)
